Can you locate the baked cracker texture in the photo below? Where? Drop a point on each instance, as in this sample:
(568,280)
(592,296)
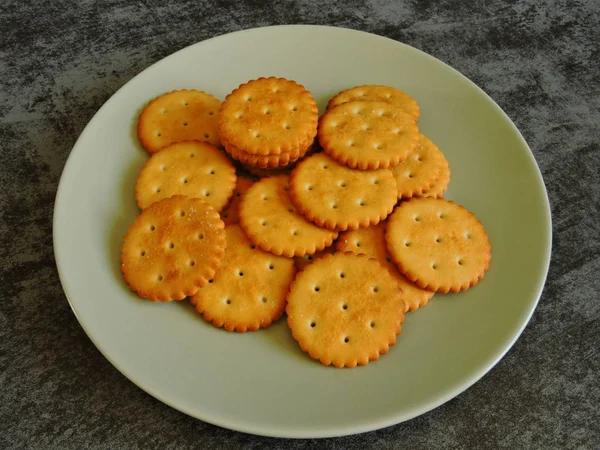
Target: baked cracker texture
(438,244)
(374,93)
(303,261)
(345,309)
(337,197)
(191,169)
(272,222)
(370,241)
(421,170)
(439,188)
(177,116)
(173,248)
(368,135)
(269,116)
(249,290)
(230,214)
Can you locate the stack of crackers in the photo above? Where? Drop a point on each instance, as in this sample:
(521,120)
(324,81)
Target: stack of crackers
(338,221)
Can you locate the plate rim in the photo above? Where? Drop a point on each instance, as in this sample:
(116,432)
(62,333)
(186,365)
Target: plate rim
(332,431)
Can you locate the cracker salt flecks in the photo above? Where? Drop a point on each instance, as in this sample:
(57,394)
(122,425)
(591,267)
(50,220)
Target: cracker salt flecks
(270,220)
(370,241)
(269,116)
(368,135)
(230,215)
(438,244)
(177,116)
(421,170)
(249,290)
(192,169)
(334,196)
(345,309)
(388,94)
(173,248)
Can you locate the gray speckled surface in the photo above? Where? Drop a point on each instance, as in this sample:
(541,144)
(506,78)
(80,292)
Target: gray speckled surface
(540,60)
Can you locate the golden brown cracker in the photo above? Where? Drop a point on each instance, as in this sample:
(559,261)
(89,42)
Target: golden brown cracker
(269,116)
(368,135)
(420,171)
(374,93)
(334,196)
(177,116)
(271,221)
(345,309)
(370,241)
(191,169)
(249,290)
(173,248)
(438,244)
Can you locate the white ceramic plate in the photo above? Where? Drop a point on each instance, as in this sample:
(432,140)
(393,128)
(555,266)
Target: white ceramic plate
(261,382)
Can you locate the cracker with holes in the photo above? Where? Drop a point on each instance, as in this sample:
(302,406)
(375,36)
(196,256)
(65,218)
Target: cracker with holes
(177,116)
(191,169)
(370,241)
(334,196)
(438,244)
(368,135)
(345,309)
(420,171)
(230,215)
(249,291)
(371,93)
(269,116)
(270,220)
(173,248)
(438,188)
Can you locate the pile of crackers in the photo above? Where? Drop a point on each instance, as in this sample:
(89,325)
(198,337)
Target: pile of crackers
(256,206)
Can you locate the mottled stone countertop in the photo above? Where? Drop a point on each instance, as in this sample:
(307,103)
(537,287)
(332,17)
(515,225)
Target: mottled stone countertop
(60,61)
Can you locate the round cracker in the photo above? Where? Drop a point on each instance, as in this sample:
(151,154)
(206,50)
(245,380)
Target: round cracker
(249,290)
(271,221)
(269,116)
(373,93)
(191,169)
(345,309)
(368,135)
(177,116)
(334,196)
(370,241)
(438,244)
(420,171)
(173,248)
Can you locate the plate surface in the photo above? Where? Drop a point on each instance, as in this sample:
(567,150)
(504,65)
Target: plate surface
(261,382)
